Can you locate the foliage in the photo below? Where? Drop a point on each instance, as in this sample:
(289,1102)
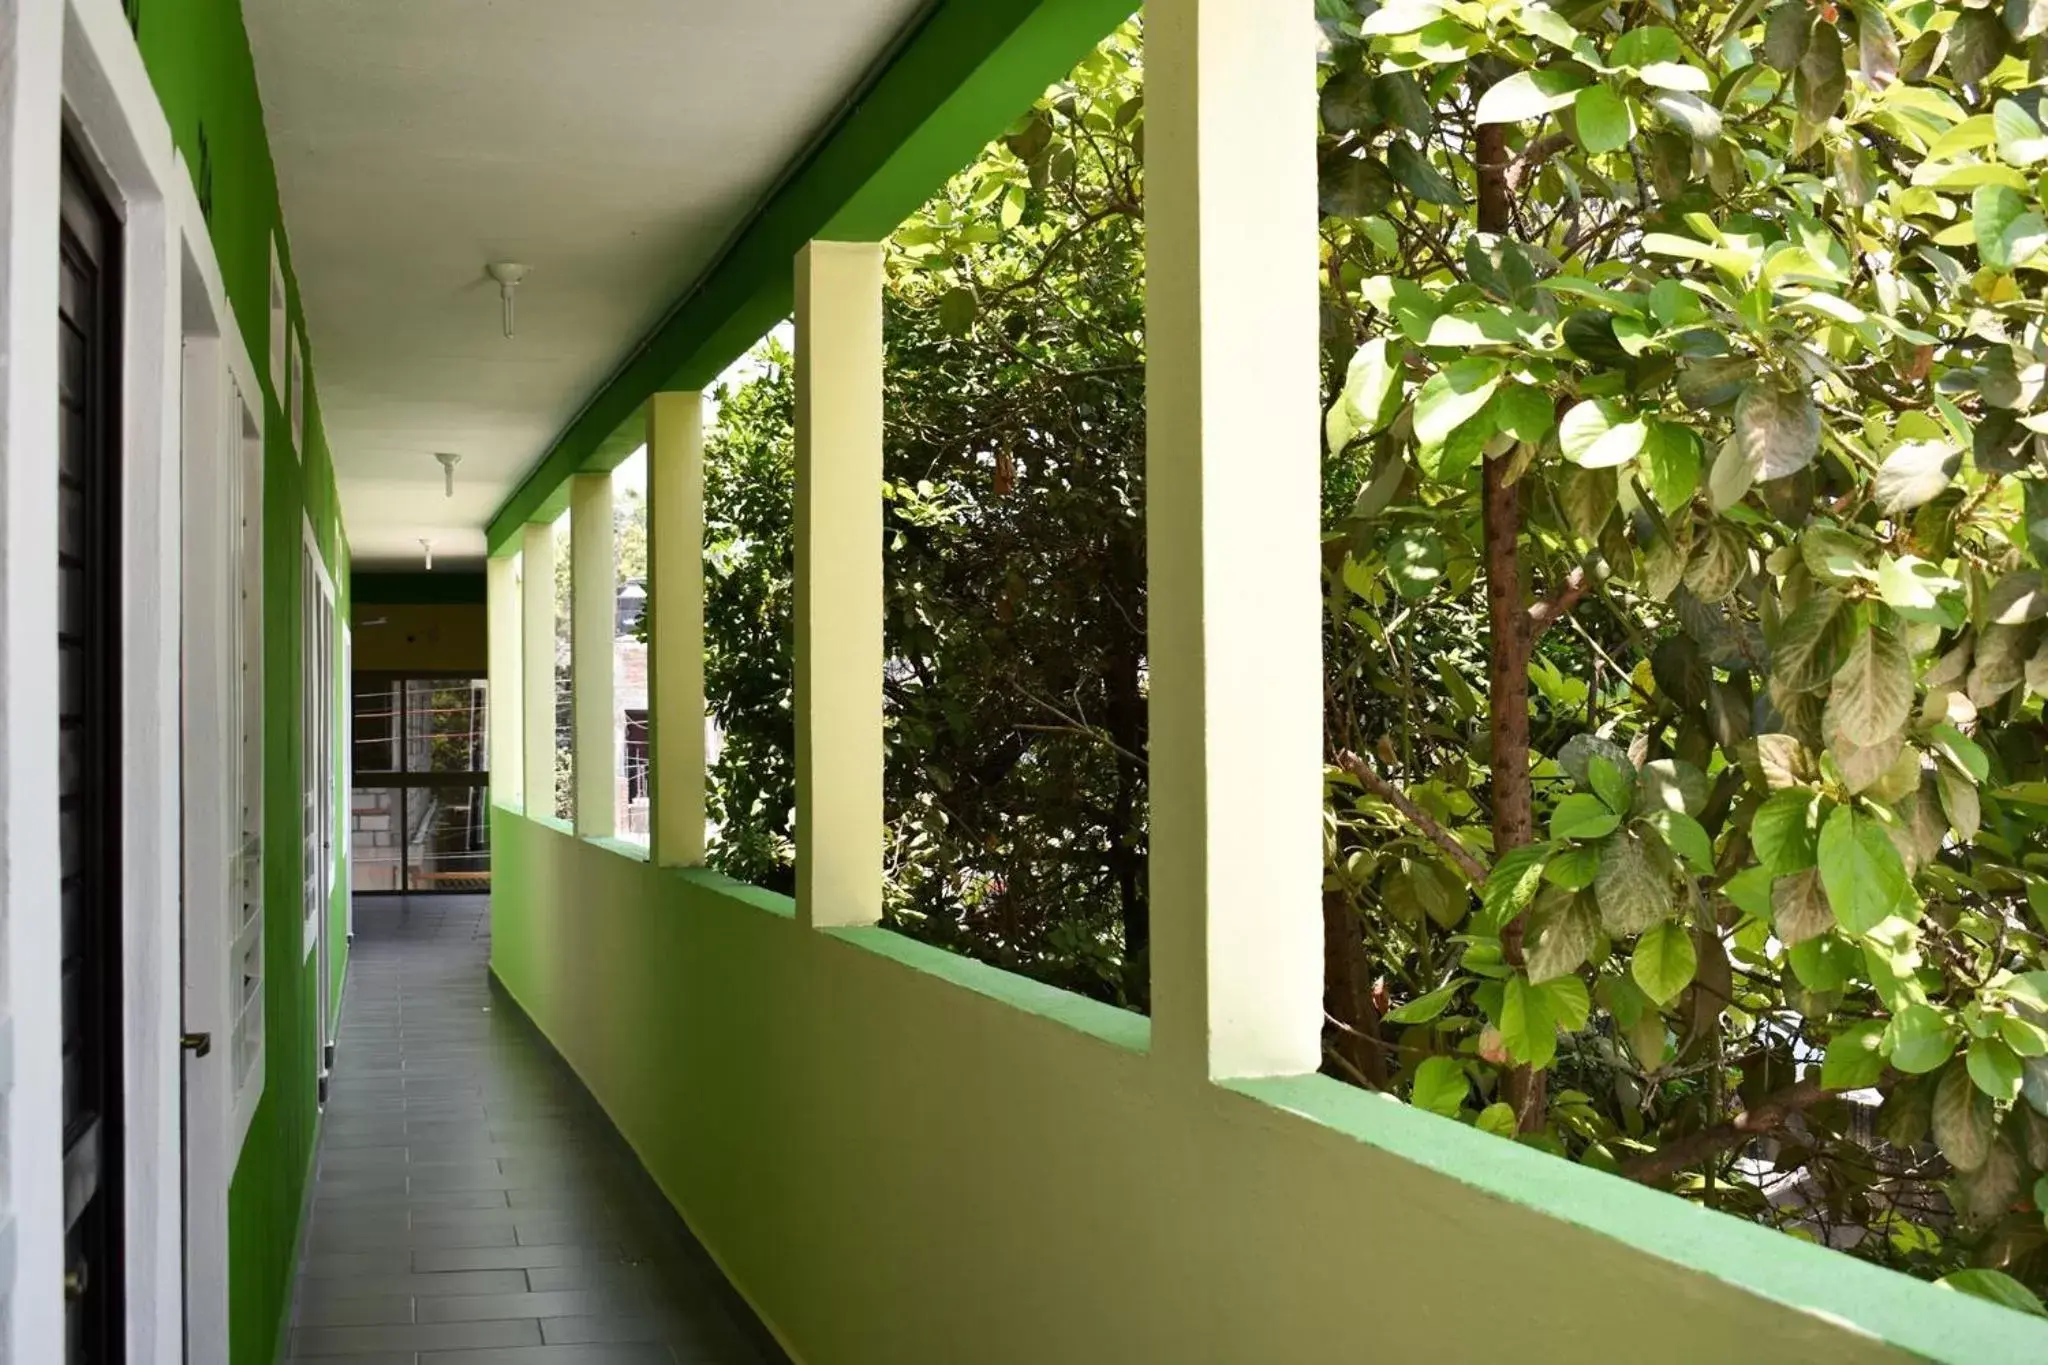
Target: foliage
(1685,598)
(1728,321)
(1015,564)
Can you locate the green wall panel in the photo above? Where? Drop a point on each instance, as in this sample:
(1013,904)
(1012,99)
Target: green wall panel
(903,1156)
(198,58)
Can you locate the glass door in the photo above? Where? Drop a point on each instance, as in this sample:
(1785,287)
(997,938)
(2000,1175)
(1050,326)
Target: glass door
(420,816)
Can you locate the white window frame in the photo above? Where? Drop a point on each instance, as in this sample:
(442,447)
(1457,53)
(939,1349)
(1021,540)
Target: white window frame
(295,386)
(279,327)
(316,766)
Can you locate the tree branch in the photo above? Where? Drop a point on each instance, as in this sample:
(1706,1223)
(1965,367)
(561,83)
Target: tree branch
(1543,615)
(1771,1114)
(1369,776)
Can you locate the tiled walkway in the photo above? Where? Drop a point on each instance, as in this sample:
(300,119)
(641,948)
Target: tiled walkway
(471,1206)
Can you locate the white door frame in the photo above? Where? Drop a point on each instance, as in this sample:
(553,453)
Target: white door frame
(74,64)
(223,728)
(318,798)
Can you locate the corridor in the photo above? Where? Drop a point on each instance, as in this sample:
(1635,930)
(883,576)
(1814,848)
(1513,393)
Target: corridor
(471,1205)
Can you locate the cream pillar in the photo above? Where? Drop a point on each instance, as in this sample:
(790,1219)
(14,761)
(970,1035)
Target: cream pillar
(537,650)
(593,593)
(1232,535)
(675,662)
(839,583)
(507,720)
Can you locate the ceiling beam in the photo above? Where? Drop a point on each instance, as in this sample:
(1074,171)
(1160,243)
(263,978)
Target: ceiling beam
(969,69)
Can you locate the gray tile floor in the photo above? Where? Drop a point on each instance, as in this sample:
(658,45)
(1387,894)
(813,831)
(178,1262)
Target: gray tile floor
(471,1205)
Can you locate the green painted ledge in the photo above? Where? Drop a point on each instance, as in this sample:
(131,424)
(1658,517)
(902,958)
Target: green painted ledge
(625,848)
(966,74)
(1121,1028)
(1914,1316)
(717,883)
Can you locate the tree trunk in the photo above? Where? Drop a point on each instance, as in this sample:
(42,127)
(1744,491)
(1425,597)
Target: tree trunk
(1508,622)
(1347,995)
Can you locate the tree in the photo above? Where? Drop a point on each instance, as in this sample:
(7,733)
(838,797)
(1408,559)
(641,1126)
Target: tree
(1705,351)
(1686,529)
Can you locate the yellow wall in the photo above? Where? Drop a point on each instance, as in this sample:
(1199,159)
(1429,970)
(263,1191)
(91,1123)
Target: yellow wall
(427,638)
(906,1158)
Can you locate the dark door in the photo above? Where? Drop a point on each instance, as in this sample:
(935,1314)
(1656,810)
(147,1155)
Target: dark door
(89,731)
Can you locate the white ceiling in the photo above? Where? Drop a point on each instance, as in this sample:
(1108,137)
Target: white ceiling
(610,145)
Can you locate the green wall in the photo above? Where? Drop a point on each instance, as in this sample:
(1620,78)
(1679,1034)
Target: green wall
(198,58)
(903,1156)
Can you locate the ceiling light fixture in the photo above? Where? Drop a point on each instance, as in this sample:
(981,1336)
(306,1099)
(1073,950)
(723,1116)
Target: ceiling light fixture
(508,274)
(448,461)
(427,548)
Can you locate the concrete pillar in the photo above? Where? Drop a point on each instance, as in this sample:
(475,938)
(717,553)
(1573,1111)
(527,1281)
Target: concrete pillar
(839,583)
(537,649)
(675,597)
(507,715)
(593,593)
(1232,473)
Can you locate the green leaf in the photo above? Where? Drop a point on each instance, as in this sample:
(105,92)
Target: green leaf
(1415,561)
(1604,121)
(1424,1008)
(1613,783)
(1823,964)
(1809,645)
(1528,95)
(1976,44)
(1860,867)
(2018,598)
(1638,47)
(1684,836)
(1918,1040)
(1995,1068)
(1401,16)
(1689,113)
(1799,907)
(1962,1120)
(1581,816)
(957,310)
(1961,750)
(1420,178)
(1776,429)
(2008,233)
(1672,453)
(1994,1285)
(1787,31)
(1498,1119)
(1524,412)
(1853,1060)
(1563,941)
(1527,1029)
(1513,883)
(1440,1086)
(1369,387)
(1785,831)
(2020,141)
(1598,434)
(1633,888)
(1453,396)
(1916,472)
(1664,962)
(1574,868)
(1750,890)
(1570,1003)
(1873,689)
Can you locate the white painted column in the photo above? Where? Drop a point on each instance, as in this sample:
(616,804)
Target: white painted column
(839,583)
(537,647)
(507,718)
(594,591)
(675,596)
(1232,473)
